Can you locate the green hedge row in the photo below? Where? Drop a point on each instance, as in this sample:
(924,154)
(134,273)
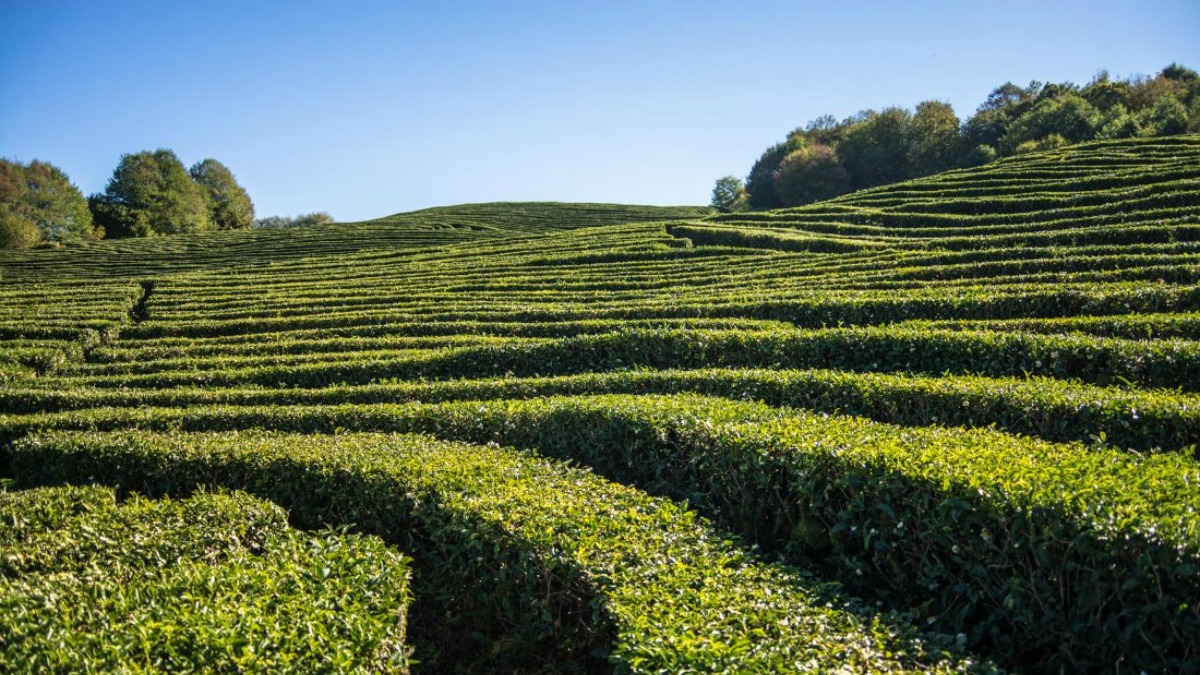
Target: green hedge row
(41,359)
(742,237)
(1126,326)
(240,362)
(1041,554)
(804,307)
(1037,553)
(213,583)
(526,564)
(1042,407)
(143,352)
(1164,363)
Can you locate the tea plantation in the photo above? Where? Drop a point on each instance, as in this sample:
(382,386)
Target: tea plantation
(948,425)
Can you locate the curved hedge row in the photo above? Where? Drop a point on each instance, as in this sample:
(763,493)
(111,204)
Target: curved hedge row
(1050,409)
(1163,363)
(1089,556)
(524,562)
(214,583)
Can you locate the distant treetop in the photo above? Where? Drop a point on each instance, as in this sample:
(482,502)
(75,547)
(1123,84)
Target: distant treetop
(304,220)
(39,204)
(827,157)
(151,193)
(229,207)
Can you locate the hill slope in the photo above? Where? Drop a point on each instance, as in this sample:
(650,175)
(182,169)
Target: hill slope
(948,425)
(417,229)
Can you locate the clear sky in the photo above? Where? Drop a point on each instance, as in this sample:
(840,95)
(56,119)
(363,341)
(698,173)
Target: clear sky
(365,108)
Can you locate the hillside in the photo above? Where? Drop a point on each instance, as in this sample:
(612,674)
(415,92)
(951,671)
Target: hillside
(426,228)
(945,425)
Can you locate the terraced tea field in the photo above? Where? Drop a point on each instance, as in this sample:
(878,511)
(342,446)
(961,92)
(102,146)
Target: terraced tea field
(948,425)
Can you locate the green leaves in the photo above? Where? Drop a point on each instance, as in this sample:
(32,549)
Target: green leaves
(229,206)
(215,582)
(524,560)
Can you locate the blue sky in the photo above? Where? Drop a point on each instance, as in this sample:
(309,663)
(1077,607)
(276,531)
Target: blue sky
(363,109)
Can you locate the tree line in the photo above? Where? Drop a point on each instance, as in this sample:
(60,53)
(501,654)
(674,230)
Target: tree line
(827,157)
(150,193)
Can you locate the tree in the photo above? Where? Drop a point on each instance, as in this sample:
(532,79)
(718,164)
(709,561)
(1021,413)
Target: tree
(150,193)
(760,184)
(824,130)
(980,155)
(276,222)
(810,174)
(229,206)
(875,150)
(316,218)
(936,142)
(1179,73)
(1116,122)
(727,192)
(1166,117)
(17,232)
(990,121)
(1106,95)
(38,202)
(1069,116)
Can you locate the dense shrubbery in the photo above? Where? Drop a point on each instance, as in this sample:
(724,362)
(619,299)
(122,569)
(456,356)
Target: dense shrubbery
(304,220)
(528,565)
(38,203)
(827,157)
(214,583)
(898,512)
(150,193)
(229,207)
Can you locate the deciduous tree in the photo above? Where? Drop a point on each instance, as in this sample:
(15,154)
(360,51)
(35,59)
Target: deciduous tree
(875,151)
(936,142)
(810,174)
(39,203)
(150,193)
(727,192)
(229,206)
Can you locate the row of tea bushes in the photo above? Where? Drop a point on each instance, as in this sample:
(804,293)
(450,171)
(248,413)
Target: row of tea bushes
(1161,363)
(1032,550)
(1141,420)
(212,583)
(525,562)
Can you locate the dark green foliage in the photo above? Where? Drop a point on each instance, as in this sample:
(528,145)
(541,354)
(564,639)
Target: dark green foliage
(1069,116)
(229,207)
(978,156)
(936,143)
(39,203)
(875,148)
(810,174)
(1105,94)
(760,183)
(1167,117)
(150,194)
(728,194)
